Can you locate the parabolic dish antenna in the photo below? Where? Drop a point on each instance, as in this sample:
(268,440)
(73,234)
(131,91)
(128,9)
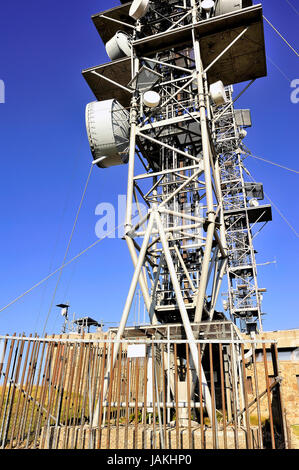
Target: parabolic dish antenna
(227,6)
(139,8)
(118,46)
(108,128)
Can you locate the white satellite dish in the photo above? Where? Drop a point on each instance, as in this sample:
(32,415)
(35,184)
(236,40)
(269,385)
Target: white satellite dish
(151,99)
(119,46)
(139,8)
(207,5)
(217,93)
(108,127)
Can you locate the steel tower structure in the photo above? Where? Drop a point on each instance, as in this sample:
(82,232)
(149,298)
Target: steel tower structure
(186,241)
(242,214)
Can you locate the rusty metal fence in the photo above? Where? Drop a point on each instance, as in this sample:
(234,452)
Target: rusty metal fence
(51,395)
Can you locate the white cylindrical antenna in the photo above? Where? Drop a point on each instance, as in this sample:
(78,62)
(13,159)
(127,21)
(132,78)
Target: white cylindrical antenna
(217,93)
(207,5)
(253,202)
(242,133)
(151,99)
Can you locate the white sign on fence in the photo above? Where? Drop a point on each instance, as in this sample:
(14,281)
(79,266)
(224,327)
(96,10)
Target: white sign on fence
(136,350)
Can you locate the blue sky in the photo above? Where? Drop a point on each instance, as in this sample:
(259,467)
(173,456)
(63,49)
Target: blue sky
(45,160)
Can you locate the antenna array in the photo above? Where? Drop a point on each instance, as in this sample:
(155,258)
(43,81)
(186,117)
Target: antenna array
(172,64)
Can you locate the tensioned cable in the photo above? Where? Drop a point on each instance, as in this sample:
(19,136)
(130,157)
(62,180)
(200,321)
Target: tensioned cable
(273,163)
(68,246)
(279,69)
(292,6)
(281,36)
(274,205)
(60,267)
(58,237)
(283,217)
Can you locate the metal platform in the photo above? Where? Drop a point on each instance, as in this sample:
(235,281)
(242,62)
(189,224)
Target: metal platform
(237,271)
(107,28)
(170,313)
(221,329)
(245,60)
(120,71)
(255,214)
(243,312)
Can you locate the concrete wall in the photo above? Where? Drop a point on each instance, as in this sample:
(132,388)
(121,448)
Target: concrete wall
(288,355)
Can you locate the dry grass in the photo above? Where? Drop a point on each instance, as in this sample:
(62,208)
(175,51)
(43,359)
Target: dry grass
(22,411)
(254,421)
